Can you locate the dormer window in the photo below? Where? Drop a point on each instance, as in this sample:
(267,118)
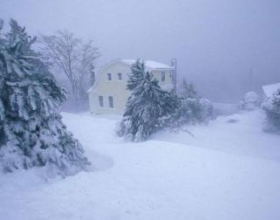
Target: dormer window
(109,76)
(162,76)
(119,76)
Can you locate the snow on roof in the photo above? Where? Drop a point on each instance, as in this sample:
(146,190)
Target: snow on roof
(150,64)
(269,90)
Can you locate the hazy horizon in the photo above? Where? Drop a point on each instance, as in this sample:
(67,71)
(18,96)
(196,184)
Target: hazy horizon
(217,43)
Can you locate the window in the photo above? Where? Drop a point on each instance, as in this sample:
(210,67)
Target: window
(111,102)
(163,76)
(119,76)
(109,75)
(100,98)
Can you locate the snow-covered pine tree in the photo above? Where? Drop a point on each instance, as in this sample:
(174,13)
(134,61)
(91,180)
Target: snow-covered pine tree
(31,130)
(147,105)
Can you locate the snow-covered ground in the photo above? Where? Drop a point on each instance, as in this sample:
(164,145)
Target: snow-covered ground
(230,169)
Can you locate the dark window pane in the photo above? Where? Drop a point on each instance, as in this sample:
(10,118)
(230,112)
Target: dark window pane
(111,102)
(163,76)
(119,76)
(100,98)
(109,75)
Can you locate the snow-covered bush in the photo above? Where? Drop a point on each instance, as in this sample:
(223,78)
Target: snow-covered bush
(187,90)
(31,130)
(272,110)
(146,107)
(250,101)
(191,108)
(206,110)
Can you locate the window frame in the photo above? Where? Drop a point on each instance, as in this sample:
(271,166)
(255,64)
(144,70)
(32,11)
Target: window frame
(111,101)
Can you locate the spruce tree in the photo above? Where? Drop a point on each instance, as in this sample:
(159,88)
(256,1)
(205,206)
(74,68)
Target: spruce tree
(147,105)
(31,131)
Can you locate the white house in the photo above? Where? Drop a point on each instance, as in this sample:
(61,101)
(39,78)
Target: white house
(109,94)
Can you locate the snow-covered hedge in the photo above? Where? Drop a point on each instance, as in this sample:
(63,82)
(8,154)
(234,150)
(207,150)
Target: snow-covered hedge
(272,110)
(191,110)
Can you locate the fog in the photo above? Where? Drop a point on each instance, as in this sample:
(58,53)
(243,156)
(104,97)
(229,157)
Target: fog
(225,48)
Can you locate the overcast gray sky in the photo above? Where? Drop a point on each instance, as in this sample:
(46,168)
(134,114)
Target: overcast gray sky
(216,42)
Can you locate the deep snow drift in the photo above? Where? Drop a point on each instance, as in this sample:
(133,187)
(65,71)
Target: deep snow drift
(230,169)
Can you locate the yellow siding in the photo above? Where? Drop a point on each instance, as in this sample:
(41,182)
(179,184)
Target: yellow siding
(116,88)
(168,78)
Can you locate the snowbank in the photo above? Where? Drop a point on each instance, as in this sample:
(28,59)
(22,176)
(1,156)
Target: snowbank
(221,173)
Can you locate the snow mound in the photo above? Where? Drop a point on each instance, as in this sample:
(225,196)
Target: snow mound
(226,171)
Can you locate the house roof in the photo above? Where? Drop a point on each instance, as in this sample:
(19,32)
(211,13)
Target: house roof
(269,90)
(150,64)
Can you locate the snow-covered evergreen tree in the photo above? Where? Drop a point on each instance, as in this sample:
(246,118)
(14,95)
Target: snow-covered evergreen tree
(147,105)
(31,130)
(272,110)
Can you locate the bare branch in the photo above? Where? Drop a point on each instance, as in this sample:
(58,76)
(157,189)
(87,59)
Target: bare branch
(74,57)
